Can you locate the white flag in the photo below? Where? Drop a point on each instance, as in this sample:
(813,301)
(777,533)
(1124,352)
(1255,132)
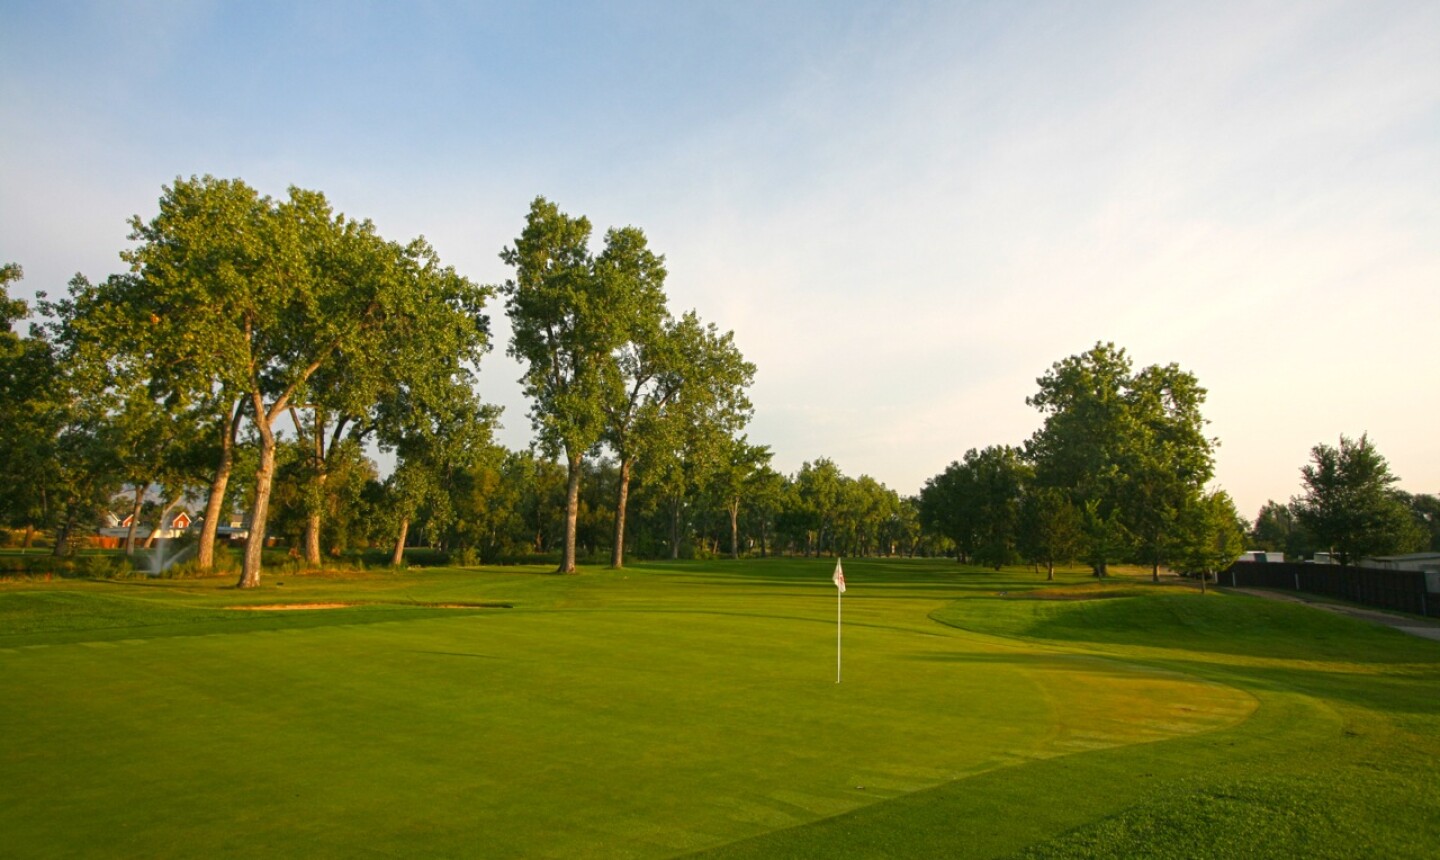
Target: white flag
(839,577)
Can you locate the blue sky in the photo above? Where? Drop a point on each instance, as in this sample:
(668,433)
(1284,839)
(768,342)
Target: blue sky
(905,211)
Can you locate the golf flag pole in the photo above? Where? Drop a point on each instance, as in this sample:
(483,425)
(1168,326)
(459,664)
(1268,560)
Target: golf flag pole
(839,580)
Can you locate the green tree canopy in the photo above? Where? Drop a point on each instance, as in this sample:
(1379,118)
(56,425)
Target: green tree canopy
(1128,447)
(1051,528)
(1350,504)
(1278,528)
(570,314)
(38,419)
(948,507)
(246,307)
(1211,536)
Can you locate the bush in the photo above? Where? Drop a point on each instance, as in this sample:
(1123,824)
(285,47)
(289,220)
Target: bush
(426,556)
(225,565)
(104,566)
(40,565)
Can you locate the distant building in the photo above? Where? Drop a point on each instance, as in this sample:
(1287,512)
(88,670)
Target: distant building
(1266,555)
(113,533)
(235,532)
(1423,562)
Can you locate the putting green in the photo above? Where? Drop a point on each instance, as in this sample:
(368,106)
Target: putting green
(651,713)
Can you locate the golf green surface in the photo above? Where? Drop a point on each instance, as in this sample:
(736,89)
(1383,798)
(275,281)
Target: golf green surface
(693,707)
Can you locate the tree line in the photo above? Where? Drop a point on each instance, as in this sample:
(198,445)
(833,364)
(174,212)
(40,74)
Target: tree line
(1350,508)
(1119,472)
(277,342)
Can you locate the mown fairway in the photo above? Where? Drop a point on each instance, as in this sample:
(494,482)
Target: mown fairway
(669,709)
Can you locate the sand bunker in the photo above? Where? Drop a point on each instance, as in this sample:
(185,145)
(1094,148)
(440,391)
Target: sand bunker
(286,607)
(282,607)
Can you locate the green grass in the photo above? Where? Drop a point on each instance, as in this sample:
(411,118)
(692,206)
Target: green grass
(683,707)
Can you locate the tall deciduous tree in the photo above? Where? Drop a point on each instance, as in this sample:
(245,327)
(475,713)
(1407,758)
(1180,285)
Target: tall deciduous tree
(34,412)
(17,390)
(78,443)
(424,357)
(705,418)
(563,331)
(439,433)
(205,294)
(1170,461)
(947,507)
(976,503)
(650,362)
(571,314)
(1350,504)
(765,493)
(244,300)
(1128,447)
(737,464)
(818,488)
(1000,478)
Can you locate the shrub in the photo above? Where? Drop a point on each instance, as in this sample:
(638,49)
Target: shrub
(102,566)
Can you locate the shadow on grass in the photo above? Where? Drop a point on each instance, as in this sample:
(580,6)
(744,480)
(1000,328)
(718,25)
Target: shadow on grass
(1091,664)
(1233,625)
(1401,690)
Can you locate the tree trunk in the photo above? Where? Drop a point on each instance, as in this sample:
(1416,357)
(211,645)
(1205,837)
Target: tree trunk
(135,518)
(312,521)
(62,538)
(214,509)
(734,508)
(215,505)
(674,528)
(312,539)
(764,536)
(164,517)
(572,514)
(399,557)
(622,498)
(264,477)
(29,535)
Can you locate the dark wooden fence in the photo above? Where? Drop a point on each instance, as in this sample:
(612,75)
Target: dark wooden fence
(1401,590)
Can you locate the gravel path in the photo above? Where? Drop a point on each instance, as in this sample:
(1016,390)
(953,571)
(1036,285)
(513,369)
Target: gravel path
(1404,623)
